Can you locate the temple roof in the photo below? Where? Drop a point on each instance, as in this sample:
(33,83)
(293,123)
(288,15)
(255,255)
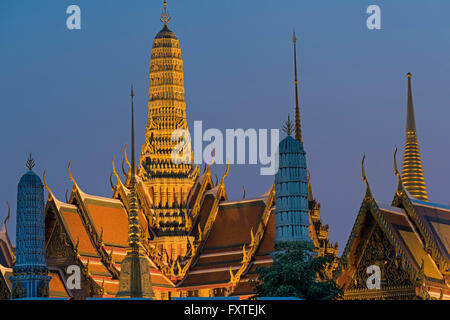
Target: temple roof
(410,241)
(436,220)
(414,229)
(6,248)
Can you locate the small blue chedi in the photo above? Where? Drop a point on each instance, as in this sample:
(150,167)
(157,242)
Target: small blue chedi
(30,273)
(291,190)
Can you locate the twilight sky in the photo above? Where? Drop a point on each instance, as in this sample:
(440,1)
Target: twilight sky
(64,95)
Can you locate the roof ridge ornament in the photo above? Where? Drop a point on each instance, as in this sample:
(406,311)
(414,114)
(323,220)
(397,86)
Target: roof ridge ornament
(165,18)
(30,162)
(8,216)
(368,192)
(50,193)
(397,173)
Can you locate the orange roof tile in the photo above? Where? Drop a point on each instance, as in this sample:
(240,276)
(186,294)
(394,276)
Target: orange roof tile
(74,225)
(110,217)
(56,286)
(233,224)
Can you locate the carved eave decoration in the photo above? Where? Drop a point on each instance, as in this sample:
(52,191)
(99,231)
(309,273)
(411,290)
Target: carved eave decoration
(255,240)
(402,199)
(77,198)
(205,184)
(220,196)
(120,192)
(192,219)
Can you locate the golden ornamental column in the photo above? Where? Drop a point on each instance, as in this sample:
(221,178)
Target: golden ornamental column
(412,172)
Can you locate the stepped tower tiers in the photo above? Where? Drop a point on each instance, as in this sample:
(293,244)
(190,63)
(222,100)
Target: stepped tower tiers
(168,183)
(30,273)
(291,193)
(412,172)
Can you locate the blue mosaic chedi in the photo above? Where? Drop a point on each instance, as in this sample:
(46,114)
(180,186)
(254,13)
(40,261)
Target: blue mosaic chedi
(291,193)
(30,273)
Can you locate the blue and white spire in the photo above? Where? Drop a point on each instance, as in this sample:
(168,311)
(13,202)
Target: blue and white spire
(291,181)
(291,193)
(30,273)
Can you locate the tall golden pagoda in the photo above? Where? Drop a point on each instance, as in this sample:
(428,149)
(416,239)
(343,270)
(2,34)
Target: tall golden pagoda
(412,172)
(167,183)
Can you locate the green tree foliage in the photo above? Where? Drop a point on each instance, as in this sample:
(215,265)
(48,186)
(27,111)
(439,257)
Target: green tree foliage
(296,272)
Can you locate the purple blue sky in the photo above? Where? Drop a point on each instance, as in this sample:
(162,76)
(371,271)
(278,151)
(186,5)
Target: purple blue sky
(64,95)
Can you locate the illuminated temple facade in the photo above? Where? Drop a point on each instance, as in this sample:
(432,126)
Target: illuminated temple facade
(407,240)
(196,241)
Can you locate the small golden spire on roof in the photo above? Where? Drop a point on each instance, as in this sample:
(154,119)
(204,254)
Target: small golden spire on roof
(412,171)
(165,15)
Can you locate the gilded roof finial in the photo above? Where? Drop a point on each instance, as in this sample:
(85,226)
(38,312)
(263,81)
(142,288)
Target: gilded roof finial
(30,162)
(395,164)
(368,192)
(50,193)
(165,15)
(399,177)
(8,216)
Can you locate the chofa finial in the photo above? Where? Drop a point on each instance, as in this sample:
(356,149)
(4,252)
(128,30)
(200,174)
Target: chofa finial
(9,214)
(395,163)
(368,192)
(30,162)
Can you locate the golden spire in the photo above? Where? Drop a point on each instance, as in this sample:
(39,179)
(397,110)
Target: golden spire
(298,127)
(134,278)
(412,172)
(133,219)
(165,15)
